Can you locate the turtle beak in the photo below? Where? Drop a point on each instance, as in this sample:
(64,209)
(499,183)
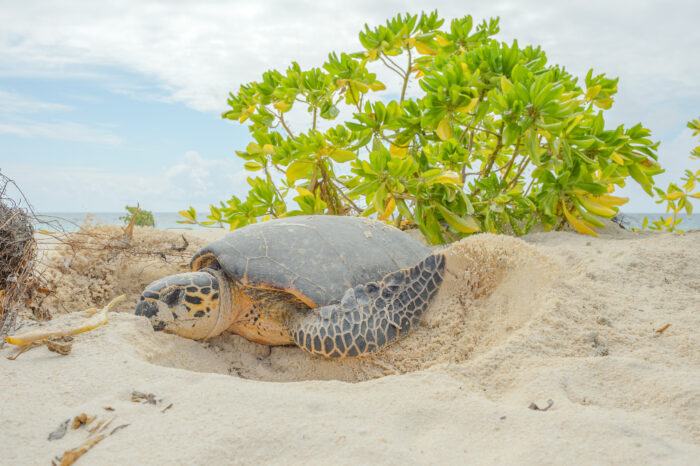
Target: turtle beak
(161,302)
(148,307)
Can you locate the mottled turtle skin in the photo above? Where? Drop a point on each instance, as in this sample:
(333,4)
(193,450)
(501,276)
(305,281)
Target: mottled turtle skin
(335,286)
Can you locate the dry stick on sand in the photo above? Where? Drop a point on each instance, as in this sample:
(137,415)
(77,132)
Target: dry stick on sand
(71,456)
(97,319)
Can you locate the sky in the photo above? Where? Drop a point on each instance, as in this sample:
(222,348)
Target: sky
(108,103)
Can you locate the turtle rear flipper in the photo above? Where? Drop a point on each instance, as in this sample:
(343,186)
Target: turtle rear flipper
(372,315)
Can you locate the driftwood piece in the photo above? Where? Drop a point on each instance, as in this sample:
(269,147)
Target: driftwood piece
(97,319)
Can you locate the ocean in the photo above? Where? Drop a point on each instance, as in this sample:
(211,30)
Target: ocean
(70,221)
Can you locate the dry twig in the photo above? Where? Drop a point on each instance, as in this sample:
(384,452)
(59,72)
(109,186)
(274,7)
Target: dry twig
(534,407)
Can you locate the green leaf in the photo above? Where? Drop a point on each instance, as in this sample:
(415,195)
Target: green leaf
(298,170)
(429,226)
(342,155)
(403,209)
(533,147)
(462,224)
(640,177)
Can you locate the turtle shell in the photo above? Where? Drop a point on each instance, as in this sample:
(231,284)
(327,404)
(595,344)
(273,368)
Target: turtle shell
(316,258)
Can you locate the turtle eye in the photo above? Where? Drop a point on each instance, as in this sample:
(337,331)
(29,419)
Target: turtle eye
(172,296)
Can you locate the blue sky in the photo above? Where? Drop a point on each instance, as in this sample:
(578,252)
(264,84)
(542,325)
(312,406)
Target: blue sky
(108,103)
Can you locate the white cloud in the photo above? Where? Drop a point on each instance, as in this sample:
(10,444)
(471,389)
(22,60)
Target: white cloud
(12,102)
(13,107)
(193,180)
(198,51)
(63,130)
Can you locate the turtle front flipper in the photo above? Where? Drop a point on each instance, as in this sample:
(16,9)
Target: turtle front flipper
(370,316)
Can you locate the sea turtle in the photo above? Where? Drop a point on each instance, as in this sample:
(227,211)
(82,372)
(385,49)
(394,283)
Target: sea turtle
(335,286)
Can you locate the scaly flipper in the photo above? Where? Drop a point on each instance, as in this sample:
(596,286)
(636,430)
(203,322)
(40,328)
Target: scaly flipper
(370,316)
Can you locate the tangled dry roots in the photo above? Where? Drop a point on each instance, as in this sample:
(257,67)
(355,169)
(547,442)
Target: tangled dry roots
(17,253)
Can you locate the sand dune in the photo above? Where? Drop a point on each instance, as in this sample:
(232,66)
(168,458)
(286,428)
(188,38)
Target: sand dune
(552,316)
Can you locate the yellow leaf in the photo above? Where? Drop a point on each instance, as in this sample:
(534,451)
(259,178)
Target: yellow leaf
(234,225)
(252,166)
(574,122)
(398,151)
(576,223)
(304,192)
(268,149)
(377,86)
(449,177)
(604,103)
(467,108)
(592,92)
(362,87)
(253,148)
(389,208)
(673,196)
(250,109)
(243,118)
(608,201)
(283,106)
(424,49)
(617,159)
(668,222)
(443,42)
(420,74)
(185,214)
(595,208)
(695,196)
(587,223)
(444,130)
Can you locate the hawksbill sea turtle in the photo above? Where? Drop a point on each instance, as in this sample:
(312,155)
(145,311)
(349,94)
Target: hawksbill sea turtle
(335,286)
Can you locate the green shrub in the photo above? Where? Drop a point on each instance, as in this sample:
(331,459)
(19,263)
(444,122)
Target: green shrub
(143,218)
(677,198)
(497,141)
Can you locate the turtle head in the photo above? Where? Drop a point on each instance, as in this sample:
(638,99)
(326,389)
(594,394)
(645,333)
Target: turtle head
(187,304)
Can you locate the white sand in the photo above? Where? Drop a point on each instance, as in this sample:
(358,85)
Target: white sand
(552,316)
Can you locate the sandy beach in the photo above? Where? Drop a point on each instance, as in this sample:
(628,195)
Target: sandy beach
(581,321)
